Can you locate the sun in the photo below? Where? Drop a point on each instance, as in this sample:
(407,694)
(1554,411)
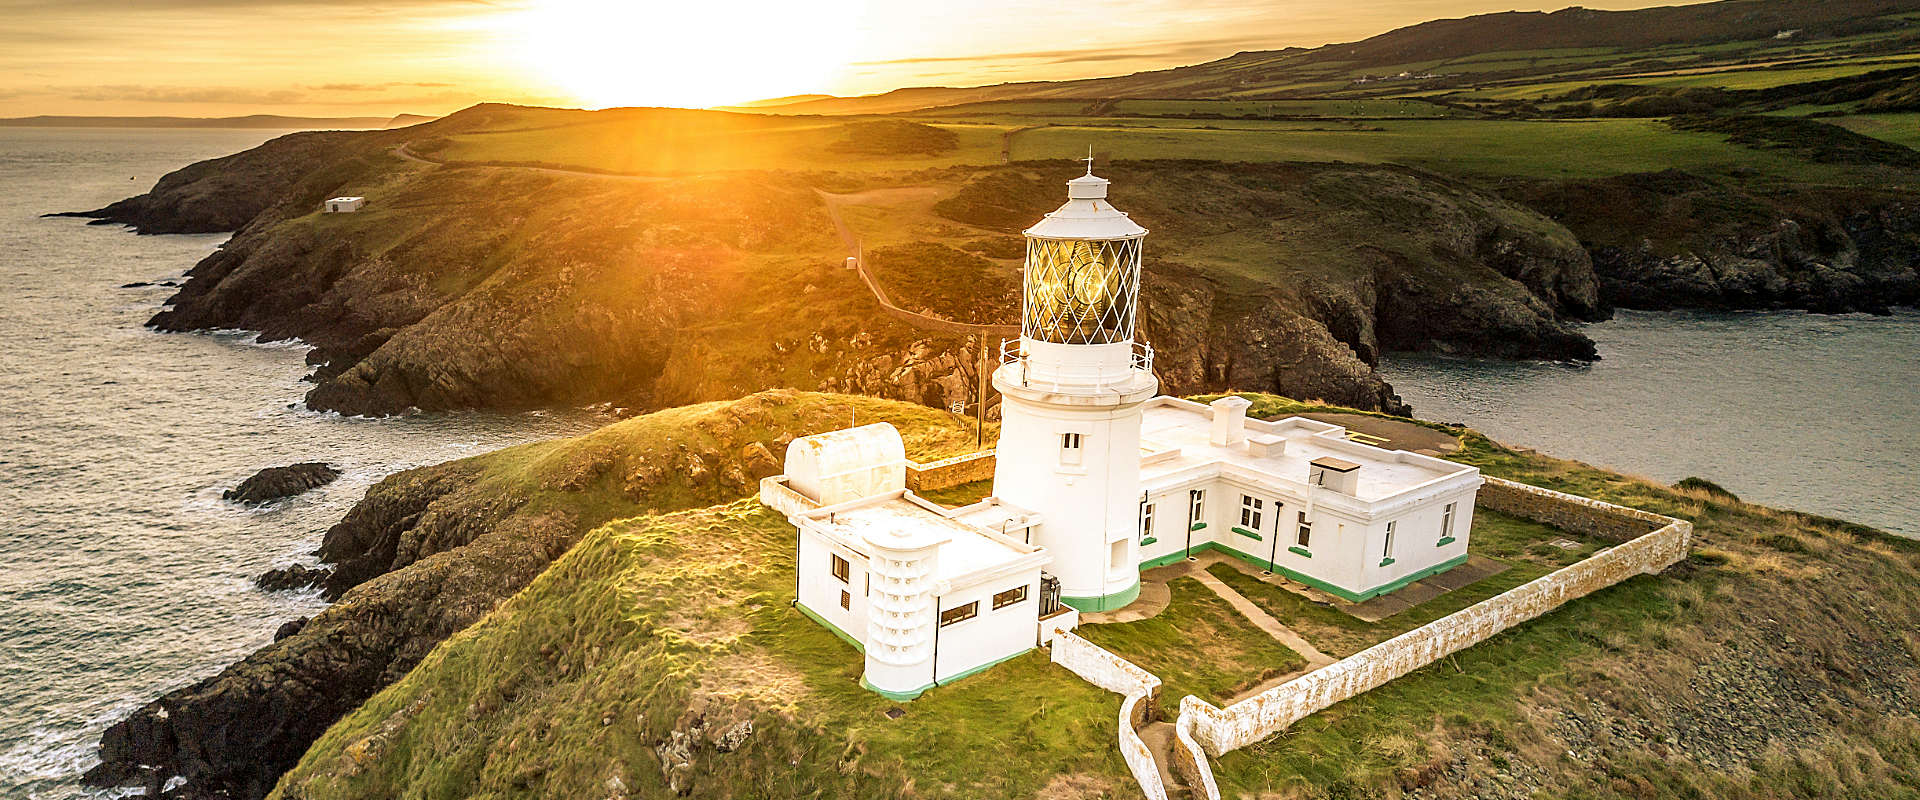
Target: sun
(688,53)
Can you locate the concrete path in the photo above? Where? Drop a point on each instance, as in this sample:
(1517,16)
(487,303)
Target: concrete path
(1262,620)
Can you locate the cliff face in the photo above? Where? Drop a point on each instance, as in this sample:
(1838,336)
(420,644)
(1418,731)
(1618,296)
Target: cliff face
(1675,240)
(500,287)
(430,551)
(656,655)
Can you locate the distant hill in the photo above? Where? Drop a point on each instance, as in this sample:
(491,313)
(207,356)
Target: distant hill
(1725,21)
(772,102)
(271,121)
(1528,43)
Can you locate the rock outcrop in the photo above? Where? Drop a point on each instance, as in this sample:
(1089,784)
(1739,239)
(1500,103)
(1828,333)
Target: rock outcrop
(431,550)
(1672,239)
(280,483)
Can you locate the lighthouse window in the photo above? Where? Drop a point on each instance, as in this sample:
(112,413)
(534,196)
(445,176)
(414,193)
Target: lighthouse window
(840,568)
(1070,448)
(1306,531)
(1387,551)
(1197,508)
(959,613)
(1446,521)
(1009,597)
(1146,522)
(1250,508)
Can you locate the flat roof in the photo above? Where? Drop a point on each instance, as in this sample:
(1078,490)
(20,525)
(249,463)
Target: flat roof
(963,549)
(1177,425)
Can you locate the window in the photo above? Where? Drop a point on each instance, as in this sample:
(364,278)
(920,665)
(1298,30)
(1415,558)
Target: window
(1446,522)
(846,600)
(959,613)
(840,568)
(1387,551)
(1009,597)
(1118,559)
(1250,512)
(1070,448)
(1319,476)
(1306,531)
(1197,506)
(1146,522)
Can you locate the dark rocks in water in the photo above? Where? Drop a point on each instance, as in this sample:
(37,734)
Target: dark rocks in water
(289,628)
(293,577)
(146,284)
(276,483)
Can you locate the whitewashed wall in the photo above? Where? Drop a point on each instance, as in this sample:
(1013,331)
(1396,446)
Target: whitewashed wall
(1102,668)
(1218,730)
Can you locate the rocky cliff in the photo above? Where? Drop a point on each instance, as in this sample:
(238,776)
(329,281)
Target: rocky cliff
(492,287)
(430,551)
(1673,239)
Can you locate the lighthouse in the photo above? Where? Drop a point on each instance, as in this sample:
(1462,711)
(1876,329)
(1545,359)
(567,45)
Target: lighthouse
(1072,388)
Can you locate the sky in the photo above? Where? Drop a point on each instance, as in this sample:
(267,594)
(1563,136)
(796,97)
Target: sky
(368,57)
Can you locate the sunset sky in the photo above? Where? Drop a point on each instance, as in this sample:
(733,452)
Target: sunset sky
(340,57)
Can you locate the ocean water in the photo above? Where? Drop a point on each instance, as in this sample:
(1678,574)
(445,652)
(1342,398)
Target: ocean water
(1811,412)
(122,573)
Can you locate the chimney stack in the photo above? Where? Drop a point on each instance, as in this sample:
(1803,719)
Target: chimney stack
(1229,421)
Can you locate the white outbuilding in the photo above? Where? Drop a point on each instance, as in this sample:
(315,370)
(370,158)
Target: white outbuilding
(1096,478)
(343,205)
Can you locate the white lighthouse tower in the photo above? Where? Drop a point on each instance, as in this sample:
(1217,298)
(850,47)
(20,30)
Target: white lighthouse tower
(1071,391)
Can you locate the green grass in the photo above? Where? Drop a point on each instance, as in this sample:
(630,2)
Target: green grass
(1199,645)
(674,141)
(1519,543)
(576,679)
(964,494)
(1525,148)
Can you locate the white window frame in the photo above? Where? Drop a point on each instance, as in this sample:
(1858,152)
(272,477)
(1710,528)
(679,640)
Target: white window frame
(1304,535)
(1072,444)
(1446,521)
(1197,507)
(1386,551)
(1250,510)
(1146,521)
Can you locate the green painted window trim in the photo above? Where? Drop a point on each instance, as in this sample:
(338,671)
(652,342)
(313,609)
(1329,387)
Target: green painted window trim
(1444,541)
(1388,561)
(1198,526)
(1247,533)
(1300,551)
(1147,541)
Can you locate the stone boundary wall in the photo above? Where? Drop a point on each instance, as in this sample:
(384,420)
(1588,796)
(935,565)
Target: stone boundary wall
(1568,512)
(1139,689)
(975,466)
(1189,761)
(1255,718)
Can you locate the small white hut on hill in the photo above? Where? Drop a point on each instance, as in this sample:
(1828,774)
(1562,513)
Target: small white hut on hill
(343,205)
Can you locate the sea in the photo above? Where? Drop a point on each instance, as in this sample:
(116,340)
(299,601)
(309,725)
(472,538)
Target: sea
(1814,412)
(122,572)
(124,575)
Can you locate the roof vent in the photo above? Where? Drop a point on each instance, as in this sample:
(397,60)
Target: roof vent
(1337,474)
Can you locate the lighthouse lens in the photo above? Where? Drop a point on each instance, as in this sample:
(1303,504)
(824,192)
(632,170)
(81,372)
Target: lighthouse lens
(1081,291)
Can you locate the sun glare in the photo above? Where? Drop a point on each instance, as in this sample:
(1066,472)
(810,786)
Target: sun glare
(691,53)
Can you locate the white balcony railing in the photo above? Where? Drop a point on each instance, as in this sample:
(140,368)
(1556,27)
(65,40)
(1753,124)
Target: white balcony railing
(1059,376)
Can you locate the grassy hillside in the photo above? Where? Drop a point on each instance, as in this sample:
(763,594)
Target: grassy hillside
(1779,661)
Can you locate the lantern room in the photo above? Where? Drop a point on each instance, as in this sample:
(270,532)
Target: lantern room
(1083,270)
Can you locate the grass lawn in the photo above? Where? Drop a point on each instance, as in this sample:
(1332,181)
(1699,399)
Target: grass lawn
(1474,147)
(1199,646)
(667,141)
(1517,542)
(964,494)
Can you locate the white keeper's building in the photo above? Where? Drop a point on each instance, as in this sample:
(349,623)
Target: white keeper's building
(1096,478)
